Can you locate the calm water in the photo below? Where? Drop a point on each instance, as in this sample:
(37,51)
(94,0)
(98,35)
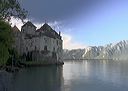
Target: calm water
(88,75)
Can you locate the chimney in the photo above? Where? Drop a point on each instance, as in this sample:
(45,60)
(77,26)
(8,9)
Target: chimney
(59,33)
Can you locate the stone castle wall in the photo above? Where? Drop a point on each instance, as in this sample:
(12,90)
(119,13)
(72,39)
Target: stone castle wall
(39,45)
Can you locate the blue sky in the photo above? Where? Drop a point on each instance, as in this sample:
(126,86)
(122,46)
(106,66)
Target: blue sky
(105,24)
(83,22)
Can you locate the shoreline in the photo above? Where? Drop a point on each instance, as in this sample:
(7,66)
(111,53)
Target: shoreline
(29,64)
(43,64)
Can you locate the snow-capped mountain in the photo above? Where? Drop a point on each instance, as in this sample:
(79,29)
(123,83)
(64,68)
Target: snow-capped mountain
(117,51)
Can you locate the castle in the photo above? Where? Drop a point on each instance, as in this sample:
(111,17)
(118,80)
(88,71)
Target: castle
(38,44)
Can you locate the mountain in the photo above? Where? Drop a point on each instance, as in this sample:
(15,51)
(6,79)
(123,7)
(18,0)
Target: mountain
(117,51)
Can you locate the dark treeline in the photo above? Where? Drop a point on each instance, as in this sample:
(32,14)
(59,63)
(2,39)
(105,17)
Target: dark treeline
(8,9)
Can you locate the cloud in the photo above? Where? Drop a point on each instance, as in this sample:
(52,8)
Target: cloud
(68,42)
(16,22)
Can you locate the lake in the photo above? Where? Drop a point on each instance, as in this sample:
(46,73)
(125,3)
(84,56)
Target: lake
(87,75)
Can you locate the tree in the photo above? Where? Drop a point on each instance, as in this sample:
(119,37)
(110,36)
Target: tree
(9,8)
(6,41)
(5,34)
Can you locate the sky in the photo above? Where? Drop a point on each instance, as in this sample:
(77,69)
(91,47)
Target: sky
(82,22)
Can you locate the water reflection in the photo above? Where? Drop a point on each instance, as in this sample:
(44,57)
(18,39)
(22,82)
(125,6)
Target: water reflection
(38,79)
(87,75)
(96,75)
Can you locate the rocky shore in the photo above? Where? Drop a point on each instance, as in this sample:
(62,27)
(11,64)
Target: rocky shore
(23,64)
(35,63)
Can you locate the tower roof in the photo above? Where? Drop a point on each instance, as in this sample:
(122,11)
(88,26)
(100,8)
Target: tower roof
(29,24)
(46,27)
(48,31)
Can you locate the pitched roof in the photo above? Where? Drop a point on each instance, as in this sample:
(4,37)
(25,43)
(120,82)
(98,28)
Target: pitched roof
(15,29)
(29,24)
(48,31)
(45,27)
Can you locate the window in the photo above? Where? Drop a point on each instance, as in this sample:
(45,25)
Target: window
(45,48)
(26,48)
(53,48)
(45,40)
(35,47)
(57,42)
(31,44)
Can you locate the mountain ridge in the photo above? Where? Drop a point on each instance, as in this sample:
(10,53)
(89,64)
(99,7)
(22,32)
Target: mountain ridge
(115,51)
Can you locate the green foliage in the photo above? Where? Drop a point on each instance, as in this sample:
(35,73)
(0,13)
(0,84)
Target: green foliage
(4,54)
(6,41)
(13,57)
(10,8)
(5,34)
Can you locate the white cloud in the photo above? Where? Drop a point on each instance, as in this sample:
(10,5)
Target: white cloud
(16,22)
(68,42)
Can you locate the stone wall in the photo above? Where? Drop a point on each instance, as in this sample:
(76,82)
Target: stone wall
(34,43)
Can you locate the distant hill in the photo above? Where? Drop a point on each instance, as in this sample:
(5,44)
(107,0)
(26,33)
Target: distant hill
(117,51)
